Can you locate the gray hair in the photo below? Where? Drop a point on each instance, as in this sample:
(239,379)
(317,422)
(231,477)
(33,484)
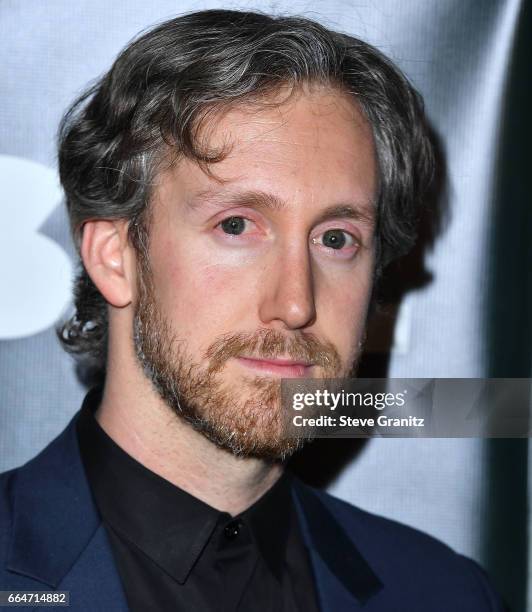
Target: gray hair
(164,86)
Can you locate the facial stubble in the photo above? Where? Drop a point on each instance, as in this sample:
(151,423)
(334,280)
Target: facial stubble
(247,420)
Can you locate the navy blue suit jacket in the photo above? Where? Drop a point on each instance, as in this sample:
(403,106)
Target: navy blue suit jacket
(51,537)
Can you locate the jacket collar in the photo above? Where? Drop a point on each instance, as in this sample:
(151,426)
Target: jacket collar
(345,580)
(51,530)
(52,533)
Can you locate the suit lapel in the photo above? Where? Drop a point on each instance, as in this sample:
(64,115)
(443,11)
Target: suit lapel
(93,581)
(345,581)
(58,538)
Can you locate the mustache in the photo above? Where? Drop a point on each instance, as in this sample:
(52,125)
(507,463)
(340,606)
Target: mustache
(270,343)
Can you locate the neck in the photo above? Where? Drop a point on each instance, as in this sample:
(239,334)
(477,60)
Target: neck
(140,422)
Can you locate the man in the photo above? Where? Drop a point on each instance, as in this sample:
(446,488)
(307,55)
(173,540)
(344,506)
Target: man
(235,185)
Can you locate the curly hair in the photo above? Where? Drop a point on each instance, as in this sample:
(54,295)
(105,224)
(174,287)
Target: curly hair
(165,85)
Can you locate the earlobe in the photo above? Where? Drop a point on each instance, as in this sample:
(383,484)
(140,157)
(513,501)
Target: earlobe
(106,254)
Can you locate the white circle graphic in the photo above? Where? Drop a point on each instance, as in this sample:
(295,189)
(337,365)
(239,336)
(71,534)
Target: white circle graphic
(35,271)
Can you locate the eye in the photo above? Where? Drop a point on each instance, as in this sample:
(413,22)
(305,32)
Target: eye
(233,225)
(335,239)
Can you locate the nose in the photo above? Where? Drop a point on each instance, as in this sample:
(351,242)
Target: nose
(288,299)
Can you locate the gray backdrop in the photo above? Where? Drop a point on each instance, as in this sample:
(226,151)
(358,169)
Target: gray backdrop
(467,318)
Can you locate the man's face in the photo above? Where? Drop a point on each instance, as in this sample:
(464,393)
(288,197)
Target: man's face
(262,271)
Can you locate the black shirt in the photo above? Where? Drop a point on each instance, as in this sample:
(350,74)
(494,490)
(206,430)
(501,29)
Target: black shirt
(175,552)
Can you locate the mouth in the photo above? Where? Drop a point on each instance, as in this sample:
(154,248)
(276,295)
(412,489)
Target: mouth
(283,368)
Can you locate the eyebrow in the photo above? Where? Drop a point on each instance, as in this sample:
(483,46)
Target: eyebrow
(262,200)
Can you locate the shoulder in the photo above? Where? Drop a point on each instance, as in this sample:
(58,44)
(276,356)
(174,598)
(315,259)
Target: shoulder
(373,531)
(6,479)
(44,504)
(408,560)
(6,519)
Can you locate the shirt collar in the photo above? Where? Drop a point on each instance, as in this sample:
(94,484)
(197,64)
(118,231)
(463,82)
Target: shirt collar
(168,524)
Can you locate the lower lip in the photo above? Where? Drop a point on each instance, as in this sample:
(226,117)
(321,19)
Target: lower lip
(276,368)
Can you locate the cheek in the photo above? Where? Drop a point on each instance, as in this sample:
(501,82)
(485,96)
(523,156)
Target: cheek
(344,310)
(204,300)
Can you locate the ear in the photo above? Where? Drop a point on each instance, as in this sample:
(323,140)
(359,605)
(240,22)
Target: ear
(109,259)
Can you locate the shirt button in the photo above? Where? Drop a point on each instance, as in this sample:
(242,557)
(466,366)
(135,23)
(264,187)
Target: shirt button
(232,529)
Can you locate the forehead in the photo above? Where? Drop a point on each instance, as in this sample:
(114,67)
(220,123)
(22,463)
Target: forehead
(314,145)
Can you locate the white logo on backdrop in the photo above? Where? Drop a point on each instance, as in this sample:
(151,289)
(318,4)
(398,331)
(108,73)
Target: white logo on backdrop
(35,271)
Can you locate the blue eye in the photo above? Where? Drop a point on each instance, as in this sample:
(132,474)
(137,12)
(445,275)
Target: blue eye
(335,239)
(233,225)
